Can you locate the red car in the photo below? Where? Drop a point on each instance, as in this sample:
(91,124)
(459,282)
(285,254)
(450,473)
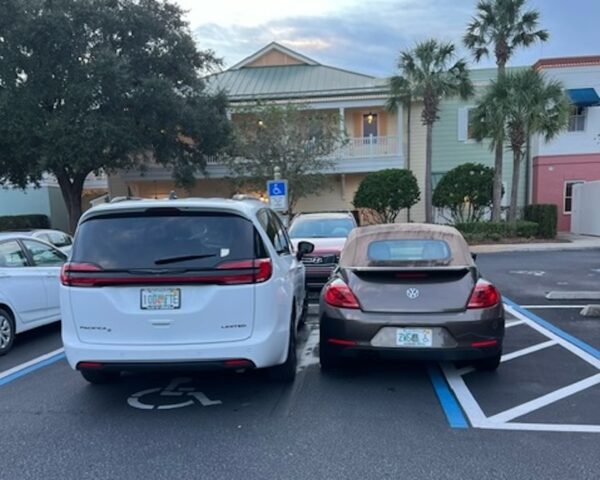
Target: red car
(327,231)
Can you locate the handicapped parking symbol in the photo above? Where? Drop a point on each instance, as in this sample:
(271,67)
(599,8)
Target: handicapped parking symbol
(188,395)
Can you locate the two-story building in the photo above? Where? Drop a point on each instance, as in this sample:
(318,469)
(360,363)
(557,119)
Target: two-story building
(377,138)
(574,156)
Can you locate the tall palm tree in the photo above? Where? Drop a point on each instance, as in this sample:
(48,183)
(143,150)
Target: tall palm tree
(429,72)
(504,26)
(520,104)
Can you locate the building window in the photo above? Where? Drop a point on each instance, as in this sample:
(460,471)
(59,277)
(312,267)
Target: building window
(370,124)
(466,116)
(577,119)
(568,196)
(470,118)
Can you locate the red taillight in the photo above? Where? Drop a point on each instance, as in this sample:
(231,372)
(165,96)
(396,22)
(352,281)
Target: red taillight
(484,295)
(90,275)
(79,268)
(484,343)
(339,341)
(262,270)
(238,363)
(338,294)
(89,365)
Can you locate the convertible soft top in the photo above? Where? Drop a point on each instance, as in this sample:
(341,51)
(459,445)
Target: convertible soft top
(406,245)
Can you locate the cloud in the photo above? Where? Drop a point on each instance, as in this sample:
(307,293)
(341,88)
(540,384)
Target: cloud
(366,38)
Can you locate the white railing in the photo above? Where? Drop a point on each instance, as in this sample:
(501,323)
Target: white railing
(355,147)
(369,147)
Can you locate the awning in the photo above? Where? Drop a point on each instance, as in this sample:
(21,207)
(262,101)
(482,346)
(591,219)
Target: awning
(584,97)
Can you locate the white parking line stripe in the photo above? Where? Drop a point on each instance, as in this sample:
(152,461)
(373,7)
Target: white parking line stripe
(533,307)
(528,350)
(31,363)
(308,357)
(561,341)
(464,395)
(513,323)
(543,427)
(544,400)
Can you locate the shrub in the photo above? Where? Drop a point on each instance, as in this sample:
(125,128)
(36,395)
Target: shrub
(24,222)
(475,232)
(546,216)
(387,192)
(465,191)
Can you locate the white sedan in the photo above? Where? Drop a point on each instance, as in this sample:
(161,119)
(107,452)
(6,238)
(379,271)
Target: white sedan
(29,285)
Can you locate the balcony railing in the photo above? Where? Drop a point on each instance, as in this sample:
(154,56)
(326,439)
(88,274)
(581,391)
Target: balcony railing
(355,147)
(369,147)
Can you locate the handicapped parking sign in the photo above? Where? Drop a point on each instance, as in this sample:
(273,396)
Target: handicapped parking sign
(278,194)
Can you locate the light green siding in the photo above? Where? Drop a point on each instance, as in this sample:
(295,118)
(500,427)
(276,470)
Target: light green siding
(449,151)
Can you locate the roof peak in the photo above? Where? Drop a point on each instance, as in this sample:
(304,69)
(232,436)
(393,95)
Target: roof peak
(277,47)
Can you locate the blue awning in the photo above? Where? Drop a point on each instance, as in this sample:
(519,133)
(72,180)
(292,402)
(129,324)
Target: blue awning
(584,97)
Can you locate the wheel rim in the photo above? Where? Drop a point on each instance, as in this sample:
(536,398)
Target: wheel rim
(5,332)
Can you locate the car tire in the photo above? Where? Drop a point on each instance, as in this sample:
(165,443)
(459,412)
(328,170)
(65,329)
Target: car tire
(99,377)
(286,372)
(304,314)
(7,331)
(489,364)
(327,357)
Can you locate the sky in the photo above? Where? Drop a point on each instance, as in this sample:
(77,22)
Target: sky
(366,36)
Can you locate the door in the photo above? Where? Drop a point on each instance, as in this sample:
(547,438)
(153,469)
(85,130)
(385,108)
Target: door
(286,256)
(47,260)
(21,285)
(370,122)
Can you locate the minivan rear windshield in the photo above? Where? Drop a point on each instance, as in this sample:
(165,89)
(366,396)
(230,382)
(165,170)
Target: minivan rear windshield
(149,240)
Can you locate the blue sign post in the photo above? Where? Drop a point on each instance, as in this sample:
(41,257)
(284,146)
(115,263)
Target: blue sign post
(278,194)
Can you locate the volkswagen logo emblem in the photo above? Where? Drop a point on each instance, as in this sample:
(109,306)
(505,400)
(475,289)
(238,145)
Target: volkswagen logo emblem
(412,293)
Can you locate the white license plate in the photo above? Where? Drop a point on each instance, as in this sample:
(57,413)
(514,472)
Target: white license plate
(160,298)
(414,337)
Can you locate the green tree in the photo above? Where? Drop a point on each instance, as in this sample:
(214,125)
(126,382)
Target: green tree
(428,72)
(502,26)
(526,104)
(387,192)
(300,141)
(465,191)
(94,85)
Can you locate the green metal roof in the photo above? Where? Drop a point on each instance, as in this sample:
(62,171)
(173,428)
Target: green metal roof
(293,81)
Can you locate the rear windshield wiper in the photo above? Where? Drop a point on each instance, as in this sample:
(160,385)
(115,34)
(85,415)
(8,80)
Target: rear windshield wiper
(182,258)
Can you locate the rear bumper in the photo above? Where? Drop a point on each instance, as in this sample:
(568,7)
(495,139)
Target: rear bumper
(455,333)
(317,277)
(165,366)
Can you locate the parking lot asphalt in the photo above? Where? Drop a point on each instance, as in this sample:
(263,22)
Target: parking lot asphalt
(369,421)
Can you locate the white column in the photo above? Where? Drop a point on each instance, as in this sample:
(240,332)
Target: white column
(342,120)
(343,185)
(400,133)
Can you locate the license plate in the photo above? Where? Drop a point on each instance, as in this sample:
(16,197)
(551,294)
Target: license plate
(414,337)
(160,298)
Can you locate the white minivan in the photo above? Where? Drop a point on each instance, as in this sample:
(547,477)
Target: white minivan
(200,283)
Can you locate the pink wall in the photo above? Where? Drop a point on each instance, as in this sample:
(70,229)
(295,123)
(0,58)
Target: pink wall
(550,174)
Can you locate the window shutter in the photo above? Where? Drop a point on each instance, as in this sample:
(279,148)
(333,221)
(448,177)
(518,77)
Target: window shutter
(463,124)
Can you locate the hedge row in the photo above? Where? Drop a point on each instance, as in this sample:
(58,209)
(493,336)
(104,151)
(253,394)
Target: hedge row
(485,231)
(24,222)
(546,216)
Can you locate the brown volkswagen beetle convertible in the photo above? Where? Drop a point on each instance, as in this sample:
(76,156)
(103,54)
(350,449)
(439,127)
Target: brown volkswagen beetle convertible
(410,291)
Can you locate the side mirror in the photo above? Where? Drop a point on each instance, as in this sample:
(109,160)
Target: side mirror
(304,248)
(474,256)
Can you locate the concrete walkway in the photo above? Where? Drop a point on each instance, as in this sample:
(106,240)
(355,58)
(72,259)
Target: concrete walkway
(567,241)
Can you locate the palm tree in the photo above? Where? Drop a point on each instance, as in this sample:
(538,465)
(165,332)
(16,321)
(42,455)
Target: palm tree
(504,26)
(520,104)
(428,73)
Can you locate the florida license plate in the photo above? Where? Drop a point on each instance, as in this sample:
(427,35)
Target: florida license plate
(414,337)
(160,298)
